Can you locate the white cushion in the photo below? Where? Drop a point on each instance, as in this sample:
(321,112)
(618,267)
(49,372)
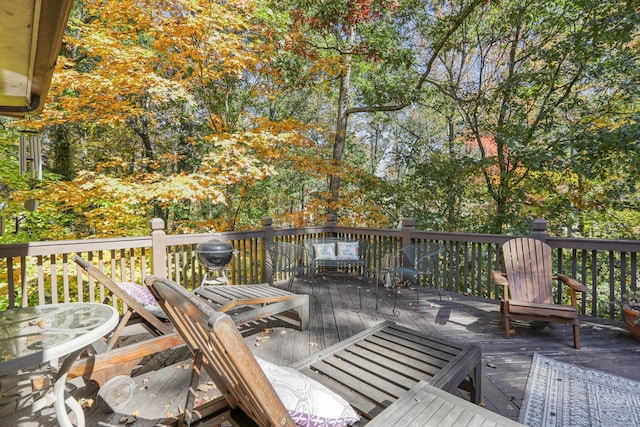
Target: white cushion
(309,403)
(348,250)
(143,296)
(324,251)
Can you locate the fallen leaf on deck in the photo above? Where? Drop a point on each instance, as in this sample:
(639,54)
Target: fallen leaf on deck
(85,403)
(128,420)
(205,387)
(491,365)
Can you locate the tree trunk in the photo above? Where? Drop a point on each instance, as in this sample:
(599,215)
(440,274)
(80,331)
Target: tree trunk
(340,137)
(452,217)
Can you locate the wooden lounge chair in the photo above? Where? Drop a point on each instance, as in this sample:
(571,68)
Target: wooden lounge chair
(135,312)
(252,308)
(528,286)
(371,370)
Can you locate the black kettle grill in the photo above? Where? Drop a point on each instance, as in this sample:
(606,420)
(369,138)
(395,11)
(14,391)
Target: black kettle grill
(214,255)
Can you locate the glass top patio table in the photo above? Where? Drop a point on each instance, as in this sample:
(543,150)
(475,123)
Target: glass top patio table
(36,337)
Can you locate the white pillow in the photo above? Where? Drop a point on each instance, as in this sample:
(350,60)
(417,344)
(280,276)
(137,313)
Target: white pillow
(143,296)
(324,251)
(348,250)
(309,403)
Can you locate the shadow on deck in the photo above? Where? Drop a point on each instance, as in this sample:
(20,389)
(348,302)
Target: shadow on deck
(335,314)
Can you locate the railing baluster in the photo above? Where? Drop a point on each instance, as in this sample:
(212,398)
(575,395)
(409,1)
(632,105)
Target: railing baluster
(11,286)
(65,278)
(24,287)
(52,279)
(612,289)
(41,299)
(634,272)
(80,283)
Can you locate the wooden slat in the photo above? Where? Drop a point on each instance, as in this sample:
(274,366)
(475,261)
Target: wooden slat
(416,369)
(395,373)
(369,408)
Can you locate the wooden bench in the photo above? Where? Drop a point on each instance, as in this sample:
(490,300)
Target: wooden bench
(374,370)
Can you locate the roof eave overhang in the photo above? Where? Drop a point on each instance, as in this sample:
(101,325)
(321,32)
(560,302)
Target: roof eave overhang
(33,31)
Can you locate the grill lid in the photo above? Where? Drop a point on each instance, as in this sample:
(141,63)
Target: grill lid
(214,246)
(214,253)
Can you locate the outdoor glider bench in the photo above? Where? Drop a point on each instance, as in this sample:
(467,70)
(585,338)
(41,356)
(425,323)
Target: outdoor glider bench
(333,253)
(387,373)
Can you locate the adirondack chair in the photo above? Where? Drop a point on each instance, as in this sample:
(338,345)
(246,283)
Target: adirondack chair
(528,286)
(372,370)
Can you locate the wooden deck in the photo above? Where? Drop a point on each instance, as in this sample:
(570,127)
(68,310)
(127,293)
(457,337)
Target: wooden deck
(335,315)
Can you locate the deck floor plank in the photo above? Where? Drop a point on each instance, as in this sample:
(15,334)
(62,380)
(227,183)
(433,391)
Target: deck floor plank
(335,314)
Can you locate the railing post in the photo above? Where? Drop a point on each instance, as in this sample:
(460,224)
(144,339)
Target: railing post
(540,229)
(408,227)
(267,226)
(158,248)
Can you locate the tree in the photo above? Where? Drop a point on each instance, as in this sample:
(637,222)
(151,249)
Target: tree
(166,94)
(372,39)
(531,66)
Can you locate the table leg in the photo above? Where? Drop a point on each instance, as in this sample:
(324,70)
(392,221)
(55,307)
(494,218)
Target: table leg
(61,402)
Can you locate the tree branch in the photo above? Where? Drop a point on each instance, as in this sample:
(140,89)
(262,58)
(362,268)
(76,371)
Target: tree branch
(465,13)
(401,105)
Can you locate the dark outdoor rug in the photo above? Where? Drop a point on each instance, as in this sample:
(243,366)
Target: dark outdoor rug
(561,394)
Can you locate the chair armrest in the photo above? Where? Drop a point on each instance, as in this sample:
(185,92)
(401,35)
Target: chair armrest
(500,278)
(572,283)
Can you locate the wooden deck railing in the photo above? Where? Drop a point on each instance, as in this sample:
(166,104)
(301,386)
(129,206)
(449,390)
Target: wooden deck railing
(43,272)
